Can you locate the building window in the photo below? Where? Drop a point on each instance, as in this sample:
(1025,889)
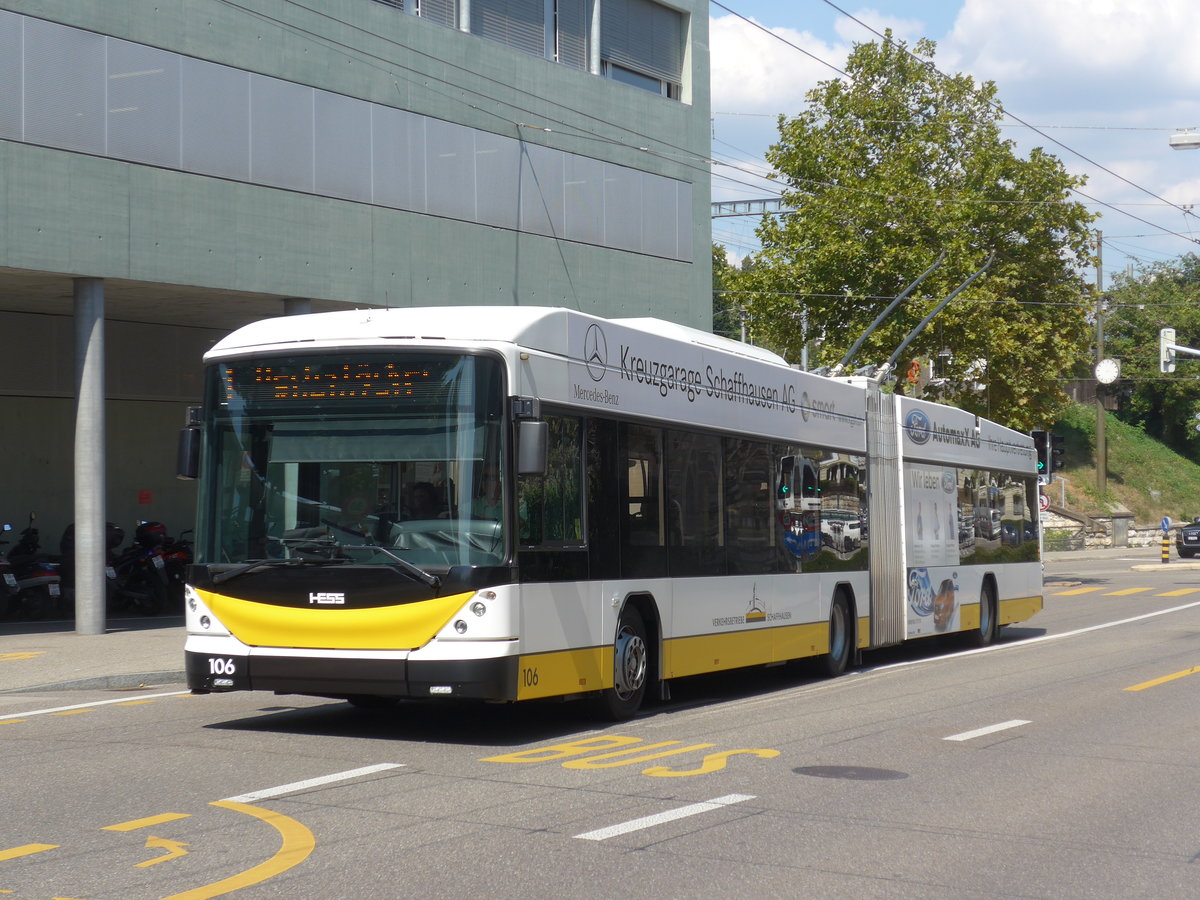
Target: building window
(521,24)
(571,33)
(641,43)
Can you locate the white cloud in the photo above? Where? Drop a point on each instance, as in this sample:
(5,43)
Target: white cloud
(851,32)
(1093,47)
(754,72)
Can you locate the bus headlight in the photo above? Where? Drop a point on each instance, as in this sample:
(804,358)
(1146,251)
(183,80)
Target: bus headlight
(460,626)
(479,608)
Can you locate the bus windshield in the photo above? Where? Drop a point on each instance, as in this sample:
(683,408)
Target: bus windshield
(325,457)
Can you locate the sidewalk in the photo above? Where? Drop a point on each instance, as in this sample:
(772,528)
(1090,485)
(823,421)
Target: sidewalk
(43,656)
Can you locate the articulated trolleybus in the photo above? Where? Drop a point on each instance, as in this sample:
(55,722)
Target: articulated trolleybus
(514,503)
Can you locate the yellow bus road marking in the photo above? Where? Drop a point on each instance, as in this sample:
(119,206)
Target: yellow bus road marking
(1124,592)
(1157,681)
(1179,593)
(59,709)
(134,702)
(71,712)
(11,721)
(174,850)
(1081,590)
(26,850)
(670,815)
(297,843)
(17,655)
(149,821)
(601,752)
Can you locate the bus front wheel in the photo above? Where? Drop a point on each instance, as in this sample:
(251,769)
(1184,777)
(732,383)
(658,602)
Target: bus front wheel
(630,667)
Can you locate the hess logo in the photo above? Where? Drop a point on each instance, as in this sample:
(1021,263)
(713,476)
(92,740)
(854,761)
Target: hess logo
(326,598)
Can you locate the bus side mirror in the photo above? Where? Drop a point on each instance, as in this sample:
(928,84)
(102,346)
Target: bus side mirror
(532,439)
(187,464)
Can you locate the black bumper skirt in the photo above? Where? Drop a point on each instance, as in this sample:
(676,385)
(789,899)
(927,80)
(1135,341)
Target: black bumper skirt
(477,679)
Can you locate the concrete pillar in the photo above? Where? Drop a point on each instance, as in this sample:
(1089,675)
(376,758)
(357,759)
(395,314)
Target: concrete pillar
(90,479)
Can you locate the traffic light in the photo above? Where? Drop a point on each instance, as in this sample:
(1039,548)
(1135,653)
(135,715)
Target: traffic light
(1042,445)
(1166,350)
(1056,453)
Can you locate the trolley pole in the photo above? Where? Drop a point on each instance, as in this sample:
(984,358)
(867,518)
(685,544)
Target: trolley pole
(1101,438)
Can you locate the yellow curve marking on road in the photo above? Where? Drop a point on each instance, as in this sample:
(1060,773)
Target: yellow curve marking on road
(1157,681)
(17,655)
(1075,591)
(1124,592)
(298,843)
(1179,593)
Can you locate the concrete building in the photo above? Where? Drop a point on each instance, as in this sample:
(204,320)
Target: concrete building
(172,169)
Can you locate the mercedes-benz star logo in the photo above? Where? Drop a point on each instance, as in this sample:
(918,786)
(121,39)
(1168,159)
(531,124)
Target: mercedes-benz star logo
(595,352)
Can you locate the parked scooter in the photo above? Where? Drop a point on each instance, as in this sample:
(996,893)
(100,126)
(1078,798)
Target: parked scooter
(141,571)
(114,536)
(9,591)
(39,584)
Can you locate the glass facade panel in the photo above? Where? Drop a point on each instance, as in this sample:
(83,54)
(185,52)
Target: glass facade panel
(75,90)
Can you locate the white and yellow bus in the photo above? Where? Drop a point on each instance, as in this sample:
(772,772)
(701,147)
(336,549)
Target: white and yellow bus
(515,503)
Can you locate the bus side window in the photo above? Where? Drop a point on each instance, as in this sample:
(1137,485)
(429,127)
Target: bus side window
(643,536)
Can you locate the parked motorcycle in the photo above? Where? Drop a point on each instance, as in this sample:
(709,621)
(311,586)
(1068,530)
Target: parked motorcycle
(114,536)
(141,571)
(178,555)
(39,584)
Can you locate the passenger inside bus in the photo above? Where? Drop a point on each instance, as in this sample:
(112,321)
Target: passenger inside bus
(423,502)
(487,504)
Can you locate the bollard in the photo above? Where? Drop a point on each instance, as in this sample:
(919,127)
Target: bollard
(1166,553)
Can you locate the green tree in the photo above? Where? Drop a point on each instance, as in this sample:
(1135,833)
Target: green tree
(885,171)
(726,314)
(1163,295)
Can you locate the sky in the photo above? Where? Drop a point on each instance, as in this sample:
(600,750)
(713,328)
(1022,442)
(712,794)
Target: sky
(1105,82)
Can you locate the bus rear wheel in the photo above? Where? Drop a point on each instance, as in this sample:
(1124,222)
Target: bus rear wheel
(834,662)
(631,657)
(989,627)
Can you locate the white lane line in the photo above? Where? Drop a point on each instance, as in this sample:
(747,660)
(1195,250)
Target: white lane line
(1022,643)
(311,783)
(990,729)
(57,709)
(671,815)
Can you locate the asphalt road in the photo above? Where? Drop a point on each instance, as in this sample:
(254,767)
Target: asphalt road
(1060,763)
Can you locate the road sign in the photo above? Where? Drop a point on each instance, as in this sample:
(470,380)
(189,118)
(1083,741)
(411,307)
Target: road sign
(1043,502)
(1166,524)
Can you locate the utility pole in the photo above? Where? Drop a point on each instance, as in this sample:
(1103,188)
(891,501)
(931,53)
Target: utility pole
(1101,439)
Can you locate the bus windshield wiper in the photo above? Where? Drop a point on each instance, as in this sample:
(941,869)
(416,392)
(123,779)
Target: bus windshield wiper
(403,564)
(251,565)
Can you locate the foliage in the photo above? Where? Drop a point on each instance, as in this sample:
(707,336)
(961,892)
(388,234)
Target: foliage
(887,170)
(726,315)
(1144,475)
(1163,295)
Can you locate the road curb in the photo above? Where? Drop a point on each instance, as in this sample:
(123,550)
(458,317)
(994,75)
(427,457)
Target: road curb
(107,682)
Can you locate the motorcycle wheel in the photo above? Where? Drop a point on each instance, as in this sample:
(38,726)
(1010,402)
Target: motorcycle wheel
(36,602)
(143,592)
